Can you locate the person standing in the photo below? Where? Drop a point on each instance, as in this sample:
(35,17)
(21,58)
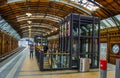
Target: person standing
(45,48)
(31,51)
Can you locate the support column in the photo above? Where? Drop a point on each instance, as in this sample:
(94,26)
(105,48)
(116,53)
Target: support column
(103,68)
(117,73)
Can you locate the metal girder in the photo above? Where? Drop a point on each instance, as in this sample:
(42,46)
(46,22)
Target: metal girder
(7,28)
(53,24)
(116,2)
(57,10)
(34,31)
(100,7)
(40,15)
(36,28)
(109,23)
(52,9)
(67,3)
(112,7)
(19,12)
(74,6)
(95,3)
(39,19)
(27,35)
(48,8)
(2,24)
(107,12)
(99,14)
(39,24)
(38,6)
(2,2)
(117,20)
(60,9)
(105,26)
(116,23)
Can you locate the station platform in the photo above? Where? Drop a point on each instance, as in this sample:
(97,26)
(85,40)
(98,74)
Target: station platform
(22,66)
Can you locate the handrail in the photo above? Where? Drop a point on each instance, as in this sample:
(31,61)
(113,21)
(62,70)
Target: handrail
(57,53)
(53,62)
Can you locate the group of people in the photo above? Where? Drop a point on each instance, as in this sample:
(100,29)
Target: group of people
(45,48)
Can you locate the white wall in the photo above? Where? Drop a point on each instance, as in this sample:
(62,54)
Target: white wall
(103,50)
(23,43)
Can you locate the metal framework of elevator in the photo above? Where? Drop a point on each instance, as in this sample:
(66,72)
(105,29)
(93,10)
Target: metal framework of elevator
(79,37)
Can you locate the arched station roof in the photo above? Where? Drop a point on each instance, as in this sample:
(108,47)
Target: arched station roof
(51,12)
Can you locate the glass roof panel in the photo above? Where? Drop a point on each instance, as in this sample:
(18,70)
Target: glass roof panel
(87,4)
(111,22)
(38,25)
(8,29)
(102,25)
(106,23)
(3,27)
(118,17)
(33,33)
(33,30)
(10,1)
(1,21)
(39,16)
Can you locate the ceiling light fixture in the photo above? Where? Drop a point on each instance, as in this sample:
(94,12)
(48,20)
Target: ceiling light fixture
(29,22)
(28,14)
(29,26)
(56,29)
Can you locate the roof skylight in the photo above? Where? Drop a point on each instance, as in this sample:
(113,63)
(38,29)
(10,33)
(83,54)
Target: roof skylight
(7,28)
(109,22)
(87,4)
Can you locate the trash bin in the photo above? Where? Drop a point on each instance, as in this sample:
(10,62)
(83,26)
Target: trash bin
(84,64)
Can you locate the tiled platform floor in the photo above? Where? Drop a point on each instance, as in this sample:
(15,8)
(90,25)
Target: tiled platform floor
(30,69)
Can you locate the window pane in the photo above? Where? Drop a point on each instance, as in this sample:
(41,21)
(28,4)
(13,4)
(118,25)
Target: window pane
(87,4)
(118,17)
(7,28)
(106,23)
(111,22)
